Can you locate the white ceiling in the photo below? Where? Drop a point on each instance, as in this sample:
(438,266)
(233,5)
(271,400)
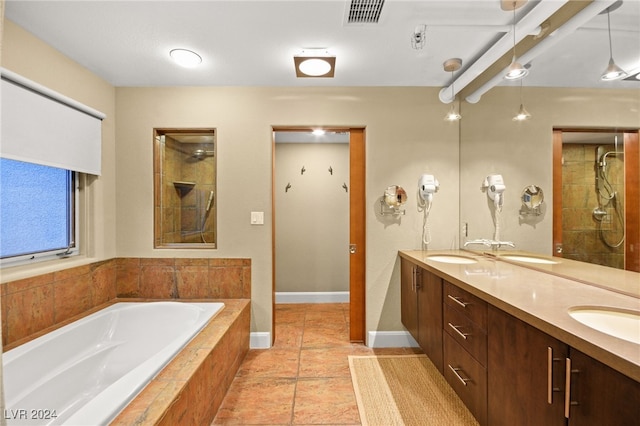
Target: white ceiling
(252,43)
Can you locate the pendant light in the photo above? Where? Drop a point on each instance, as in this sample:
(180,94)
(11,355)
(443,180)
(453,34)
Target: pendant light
(613,71)
(516,71)
(452,65)
(522,114)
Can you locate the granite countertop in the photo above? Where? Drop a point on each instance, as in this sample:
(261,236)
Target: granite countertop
(542,298)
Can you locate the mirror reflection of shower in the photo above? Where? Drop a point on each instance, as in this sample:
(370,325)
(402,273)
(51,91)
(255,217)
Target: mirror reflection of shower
(608,213)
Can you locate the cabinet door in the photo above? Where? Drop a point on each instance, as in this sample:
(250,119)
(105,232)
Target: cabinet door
(525,369)
(430,316)
(408,297)
(601,396)
(467,377)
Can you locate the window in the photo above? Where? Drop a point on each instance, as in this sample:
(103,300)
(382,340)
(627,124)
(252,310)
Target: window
(38,217)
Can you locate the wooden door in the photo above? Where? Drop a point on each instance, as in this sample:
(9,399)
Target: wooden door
(632,201)
(557,193)
(525,373)
(430,317)
(409,297)
(600,395)
(357,232)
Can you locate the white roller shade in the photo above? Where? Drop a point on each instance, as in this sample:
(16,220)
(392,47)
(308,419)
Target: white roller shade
(44,127)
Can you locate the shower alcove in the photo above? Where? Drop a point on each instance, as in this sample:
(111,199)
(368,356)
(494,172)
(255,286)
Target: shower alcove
(185,188)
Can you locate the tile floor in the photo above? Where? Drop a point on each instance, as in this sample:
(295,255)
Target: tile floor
(304,378)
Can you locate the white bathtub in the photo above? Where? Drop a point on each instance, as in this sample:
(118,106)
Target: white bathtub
(85,373)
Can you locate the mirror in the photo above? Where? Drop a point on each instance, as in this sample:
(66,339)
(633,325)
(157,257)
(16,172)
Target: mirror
(185,196)
(393,199)
(523,152)
(532,198)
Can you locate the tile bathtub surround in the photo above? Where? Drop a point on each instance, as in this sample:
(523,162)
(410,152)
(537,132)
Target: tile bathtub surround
(34,304)
(191,388)
(184,278)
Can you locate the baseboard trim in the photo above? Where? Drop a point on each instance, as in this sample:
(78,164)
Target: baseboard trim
(312,297)
(390,339)
(259,340)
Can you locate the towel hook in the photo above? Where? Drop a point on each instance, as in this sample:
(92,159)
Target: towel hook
(286,188)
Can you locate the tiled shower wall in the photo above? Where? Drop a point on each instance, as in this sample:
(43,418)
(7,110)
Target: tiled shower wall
(580,236)
(33,304)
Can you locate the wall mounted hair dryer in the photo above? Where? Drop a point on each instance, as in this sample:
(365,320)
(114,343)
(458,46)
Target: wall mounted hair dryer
(427,186)
(494,186)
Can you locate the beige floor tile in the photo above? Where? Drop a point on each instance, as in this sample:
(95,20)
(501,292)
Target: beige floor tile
(329,362)
(325,401)
(274,362)
(257,401)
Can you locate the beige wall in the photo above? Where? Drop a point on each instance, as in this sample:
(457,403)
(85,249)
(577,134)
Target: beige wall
(312,217)
(30,57)
(522,151)
(405,137)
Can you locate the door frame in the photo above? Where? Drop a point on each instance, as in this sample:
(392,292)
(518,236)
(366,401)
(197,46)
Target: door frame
(357,227)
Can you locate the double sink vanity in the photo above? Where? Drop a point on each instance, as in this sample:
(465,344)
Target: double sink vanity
(526,339)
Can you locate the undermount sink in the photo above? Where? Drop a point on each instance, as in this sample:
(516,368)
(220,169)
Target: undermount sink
(621,323)
(529,259)
(452,258)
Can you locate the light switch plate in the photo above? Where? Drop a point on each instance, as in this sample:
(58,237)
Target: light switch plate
(257,218)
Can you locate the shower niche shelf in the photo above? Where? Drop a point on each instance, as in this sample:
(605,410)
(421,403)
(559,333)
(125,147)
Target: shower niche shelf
(183,187)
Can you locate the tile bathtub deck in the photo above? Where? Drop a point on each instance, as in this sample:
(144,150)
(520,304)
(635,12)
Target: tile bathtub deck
(304,378)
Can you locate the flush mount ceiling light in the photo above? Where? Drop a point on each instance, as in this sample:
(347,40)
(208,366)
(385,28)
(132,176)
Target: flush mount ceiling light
(516,70)
(315,63)
(613,71)
(185,58)
(452,65)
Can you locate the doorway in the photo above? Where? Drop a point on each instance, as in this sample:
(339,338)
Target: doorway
(349,247)
(596,203)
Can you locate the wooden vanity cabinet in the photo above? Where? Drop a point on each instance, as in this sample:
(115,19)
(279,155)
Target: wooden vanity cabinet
(526,373)
(465,348)
(421,308)
(601,396)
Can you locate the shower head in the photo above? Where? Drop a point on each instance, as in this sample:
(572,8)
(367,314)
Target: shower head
(200,154)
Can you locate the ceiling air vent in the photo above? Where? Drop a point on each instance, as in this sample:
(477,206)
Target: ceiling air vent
(364,11)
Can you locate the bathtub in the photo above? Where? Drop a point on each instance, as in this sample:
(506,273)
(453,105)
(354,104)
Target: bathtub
(86,372)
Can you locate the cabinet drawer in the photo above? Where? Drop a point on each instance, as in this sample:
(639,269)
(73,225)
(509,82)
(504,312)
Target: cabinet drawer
(467,378)
(469,335)
(463,301)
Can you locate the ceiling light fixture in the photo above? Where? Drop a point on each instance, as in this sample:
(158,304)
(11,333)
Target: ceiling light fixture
(516,71)
(613,71)
(452,65)
(185,58)
(522,114)
(315,63)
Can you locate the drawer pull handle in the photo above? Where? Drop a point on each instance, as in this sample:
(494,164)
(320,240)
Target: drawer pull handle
(567,392)
(550,388)
(457,300)
(457,330)
(455,371)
